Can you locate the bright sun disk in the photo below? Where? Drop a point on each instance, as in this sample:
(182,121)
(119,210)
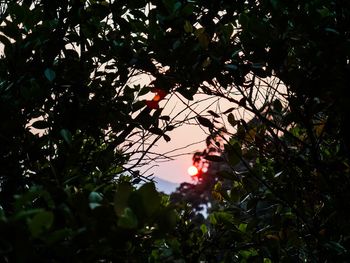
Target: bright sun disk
(192,170)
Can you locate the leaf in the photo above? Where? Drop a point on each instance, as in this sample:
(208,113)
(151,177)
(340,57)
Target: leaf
(204,229)
(214,114)
(2,214)
(228,110)
(40,222)
(156,130)
(231,67)
(66,135)
(150,198)
(121,197)
(205,122)
(242,102)
(166,138)
(95,199)
(242,227)
(188,27)
(250,135)
(244,20)
(203,40)
(335,246)
(234,153)
(50,74)
(231,119)
(228,31)
(170,127)
(40,125)
(277,105)
(214,158)
(187,92)
(128,219)
(165,118)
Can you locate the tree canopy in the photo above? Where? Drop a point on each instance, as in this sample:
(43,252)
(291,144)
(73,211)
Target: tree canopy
(71,117)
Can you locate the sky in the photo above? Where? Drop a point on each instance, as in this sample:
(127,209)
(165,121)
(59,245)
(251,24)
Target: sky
(190,136)
(186,139)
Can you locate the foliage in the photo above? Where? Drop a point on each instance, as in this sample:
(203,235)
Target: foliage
(68,112)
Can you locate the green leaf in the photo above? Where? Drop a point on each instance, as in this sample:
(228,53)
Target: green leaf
(242,227)
(40,222)
(66,135)
(50,74)
(121,197)
(337,247)
(128,219)
(188,27)
(204,229)
(2,214)
(150,198)
(95,199)
(231,67)
(234,153)
(228,31)
(244,20)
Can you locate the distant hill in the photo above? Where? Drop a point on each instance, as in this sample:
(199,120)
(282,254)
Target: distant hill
(165,186)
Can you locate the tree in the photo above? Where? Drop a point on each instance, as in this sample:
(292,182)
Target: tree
(298,180)
(68,112)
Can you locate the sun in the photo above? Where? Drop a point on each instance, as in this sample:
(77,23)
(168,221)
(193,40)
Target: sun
(192,170)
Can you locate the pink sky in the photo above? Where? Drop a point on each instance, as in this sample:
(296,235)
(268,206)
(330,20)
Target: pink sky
(188,134)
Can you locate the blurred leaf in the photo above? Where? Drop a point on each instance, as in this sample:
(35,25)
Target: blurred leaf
(150,198)
(40,222)
(204,229)
(277,105)
(234,153)
(66,135)
(128,219)
(188,27)
(50,74)
(95,199)
(337,247)
(121,197)
(214,158)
